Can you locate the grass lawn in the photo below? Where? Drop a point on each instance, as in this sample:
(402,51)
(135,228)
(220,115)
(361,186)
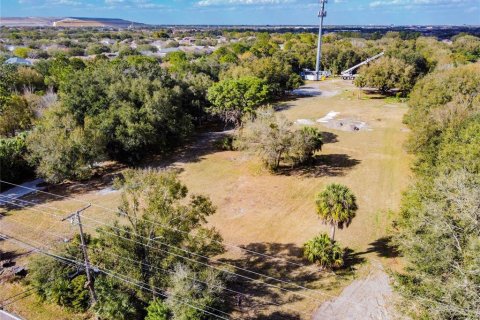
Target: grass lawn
(274,213)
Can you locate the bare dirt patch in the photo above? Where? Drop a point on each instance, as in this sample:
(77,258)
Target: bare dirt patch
(367,298)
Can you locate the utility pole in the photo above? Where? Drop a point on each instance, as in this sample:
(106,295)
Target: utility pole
(321,14)
(76,218)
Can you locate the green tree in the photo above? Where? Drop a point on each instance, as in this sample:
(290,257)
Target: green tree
(274,139)
(439,237)
(336,206)
(60,283)
(16,115)
(386,74)
(62,150)
(441,100)
(269,135)
(97,49)
(154,235)
(136,105)
(232,99)
(116,301)
(324,251)
(305,143)
(466,48)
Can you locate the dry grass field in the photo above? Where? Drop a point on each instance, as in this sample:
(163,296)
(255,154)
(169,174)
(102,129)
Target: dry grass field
(272,213)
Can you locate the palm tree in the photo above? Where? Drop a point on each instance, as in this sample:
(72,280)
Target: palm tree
(323,251)
(336,205)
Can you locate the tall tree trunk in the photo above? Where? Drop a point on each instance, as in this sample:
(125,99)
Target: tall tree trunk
(333,231)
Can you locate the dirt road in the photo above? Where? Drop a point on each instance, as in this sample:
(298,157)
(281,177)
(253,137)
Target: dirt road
(363,299)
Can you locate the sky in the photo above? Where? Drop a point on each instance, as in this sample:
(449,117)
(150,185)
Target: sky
(274,12)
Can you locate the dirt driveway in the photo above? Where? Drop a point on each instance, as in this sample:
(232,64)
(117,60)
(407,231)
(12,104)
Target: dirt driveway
(366,298)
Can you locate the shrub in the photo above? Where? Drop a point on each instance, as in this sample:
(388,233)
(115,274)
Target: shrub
(323,251)
(157,310)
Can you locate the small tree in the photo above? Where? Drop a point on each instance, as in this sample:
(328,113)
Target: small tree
(231,99)
(337,206)
(274,139)
(323,251)
(305,142)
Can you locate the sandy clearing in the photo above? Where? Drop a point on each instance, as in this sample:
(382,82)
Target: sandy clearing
(366,298)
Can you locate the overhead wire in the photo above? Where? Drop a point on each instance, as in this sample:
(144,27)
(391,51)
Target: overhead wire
(205,257)
(60,237)
(117,212)
(115,275)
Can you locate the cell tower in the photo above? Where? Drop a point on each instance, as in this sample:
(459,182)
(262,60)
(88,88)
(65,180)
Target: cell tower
(321,14)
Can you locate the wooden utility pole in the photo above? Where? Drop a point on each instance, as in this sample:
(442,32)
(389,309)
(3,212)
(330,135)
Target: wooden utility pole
(76,217)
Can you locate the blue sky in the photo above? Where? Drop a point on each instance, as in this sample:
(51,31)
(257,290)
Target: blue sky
(398,12)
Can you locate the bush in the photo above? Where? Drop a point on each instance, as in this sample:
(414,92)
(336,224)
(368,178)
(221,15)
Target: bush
(21,52)
(157,310)
(323,251)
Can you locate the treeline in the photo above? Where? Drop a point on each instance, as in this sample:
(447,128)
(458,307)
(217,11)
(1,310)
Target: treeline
(76,113)
(439,226)
(64,116)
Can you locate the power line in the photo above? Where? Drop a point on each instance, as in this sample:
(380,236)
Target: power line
(172,272)
(253,280)
(226,271)
(202,263)
(113,274)
(117,212)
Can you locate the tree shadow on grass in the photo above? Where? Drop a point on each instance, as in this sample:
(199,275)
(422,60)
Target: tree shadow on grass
(383,247)
(329,137)
(328,165)
(276,315)
(193,151)
(266,262)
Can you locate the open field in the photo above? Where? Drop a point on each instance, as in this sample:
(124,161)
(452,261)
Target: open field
(271,213)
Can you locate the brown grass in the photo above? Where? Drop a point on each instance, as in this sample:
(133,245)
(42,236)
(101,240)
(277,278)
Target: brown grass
(274,213)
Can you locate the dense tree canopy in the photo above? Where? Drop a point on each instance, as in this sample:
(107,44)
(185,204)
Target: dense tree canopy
(386,74)
(438,230)
(232,99)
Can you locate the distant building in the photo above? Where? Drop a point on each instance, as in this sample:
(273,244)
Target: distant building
(107,42)
(16,60)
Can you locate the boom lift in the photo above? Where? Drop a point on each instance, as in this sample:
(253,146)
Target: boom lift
(348,74)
